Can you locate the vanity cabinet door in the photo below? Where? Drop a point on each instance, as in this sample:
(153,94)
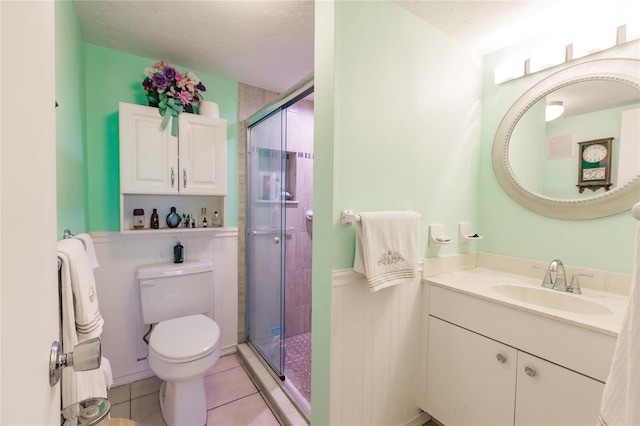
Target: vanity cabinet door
(203,155)
(470,378)
(548,394)
(148,157)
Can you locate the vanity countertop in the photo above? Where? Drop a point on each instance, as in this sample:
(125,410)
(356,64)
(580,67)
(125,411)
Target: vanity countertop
(483,283)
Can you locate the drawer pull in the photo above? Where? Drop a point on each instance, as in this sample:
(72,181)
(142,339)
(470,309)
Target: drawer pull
(501,358)
(530,371)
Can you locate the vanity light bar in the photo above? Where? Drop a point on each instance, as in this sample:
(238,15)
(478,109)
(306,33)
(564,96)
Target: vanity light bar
(547,56)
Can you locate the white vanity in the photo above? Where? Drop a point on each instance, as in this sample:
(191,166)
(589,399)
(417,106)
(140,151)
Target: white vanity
(502,350)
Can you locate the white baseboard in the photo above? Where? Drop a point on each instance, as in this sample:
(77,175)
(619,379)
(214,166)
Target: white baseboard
(419,420)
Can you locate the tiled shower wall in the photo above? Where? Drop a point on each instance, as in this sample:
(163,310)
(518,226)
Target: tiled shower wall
(298,262)
(299,229)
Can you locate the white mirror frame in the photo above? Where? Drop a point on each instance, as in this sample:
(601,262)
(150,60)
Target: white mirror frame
(608,203)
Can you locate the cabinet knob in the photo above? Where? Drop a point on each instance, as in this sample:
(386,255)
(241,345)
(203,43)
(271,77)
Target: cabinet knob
(173,177)
(530,371)
(276,240)
(184,178)
(501,358)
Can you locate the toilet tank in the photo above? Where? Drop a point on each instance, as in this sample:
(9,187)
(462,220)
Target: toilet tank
(172,290)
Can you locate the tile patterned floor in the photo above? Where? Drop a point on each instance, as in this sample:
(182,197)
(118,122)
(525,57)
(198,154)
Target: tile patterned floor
(297,367)
(232,399)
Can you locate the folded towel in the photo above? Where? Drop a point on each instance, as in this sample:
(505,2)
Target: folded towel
(78,385)
(89,248)
(105,366)
(387,247)
(77,276)
(621,396)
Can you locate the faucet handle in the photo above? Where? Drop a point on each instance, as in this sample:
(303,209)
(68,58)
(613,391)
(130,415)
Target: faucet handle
(575,284)
(546,282)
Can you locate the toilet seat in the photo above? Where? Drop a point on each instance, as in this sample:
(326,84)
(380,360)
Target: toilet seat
(185,339)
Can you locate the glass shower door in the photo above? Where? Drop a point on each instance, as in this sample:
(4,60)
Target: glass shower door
(266,239)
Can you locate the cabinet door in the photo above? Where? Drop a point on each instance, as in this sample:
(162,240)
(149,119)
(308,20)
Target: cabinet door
(148,155)
(470,378)
(548,394)
(203,155)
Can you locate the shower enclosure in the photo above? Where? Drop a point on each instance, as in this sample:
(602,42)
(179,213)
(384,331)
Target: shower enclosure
(279,183)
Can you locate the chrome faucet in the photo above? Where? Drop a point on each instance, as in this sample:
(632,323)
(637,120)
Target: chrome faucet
(555,277)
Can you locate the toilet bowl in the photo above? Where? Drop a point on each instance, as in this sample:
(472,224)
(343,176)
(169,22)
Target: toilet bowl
(185,343)
(181,351)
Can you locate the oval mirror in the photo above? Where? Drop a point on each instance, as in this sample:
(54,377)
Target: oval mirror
(541,163)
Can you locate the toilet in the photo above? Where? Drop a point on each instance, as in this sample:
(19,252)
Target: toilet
(185,343)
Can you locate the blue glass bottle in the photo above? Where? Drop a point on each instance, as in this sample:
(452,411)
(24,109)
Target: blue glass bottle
(173,218)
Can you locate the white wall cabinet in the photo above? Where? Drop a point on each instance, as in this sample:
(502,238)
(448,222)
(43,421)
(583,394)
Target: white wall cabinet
(160,171)
(154,162)
(472,379)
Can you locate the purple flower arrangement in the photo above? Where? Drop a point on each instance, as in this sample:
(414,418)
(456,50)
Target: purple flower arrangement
(167,87)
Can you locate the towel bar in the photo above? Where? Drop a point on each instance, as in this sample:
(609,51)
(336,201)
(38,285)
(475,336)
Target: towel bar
(348,217)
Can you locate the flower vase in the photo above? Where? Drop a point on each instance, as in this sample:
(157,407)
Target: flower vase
(210,109)
(188,108)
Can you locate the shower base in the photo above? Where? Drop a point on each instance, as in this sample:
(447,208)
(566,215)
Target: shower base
(297,367)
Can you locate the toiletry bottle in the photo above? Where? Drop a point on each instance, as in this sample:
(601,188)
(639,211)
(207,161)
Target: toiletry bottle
(216,221)
(138,218)
(272,186)
(173,219)
(276,190)
(203,218)
(178,253)
(155,223)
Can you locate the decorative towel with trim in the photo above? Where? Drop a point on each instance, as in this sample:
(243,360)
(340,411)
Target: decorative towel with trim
(387,247)
(89,249)
(621,397)
(77,385)
(88,321)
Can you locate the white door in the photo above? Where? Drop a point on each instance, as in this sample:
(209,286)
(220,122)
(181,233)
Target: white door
(470,378)
(148,156)
(203,155)
(548,394)
(28,265)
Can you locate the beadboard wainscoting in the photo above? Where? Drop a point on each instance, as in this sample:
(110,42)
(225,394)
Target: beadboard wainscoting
(120,255)
(375,352)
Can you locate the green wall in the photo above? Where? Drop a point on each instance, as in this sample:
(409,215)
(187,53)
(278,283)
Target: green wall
(71,178)
(509,229)
(397,119)
(114,77)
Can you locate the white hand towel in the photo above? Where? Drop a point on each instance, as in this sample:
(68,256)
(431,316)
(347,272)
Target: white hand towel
(77,273)
(89,249)
(621,397)
(387,247)
(79,385)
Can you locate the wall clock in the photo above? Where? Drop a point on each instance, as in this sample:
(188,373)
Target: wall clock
(594,164)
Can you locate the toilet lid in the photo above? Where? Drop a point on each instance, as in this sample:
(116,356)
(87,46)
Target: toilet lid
(185,338)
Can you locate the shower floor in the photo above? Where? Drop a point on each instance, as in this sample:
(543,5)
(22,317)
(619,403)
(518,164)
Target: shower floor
(297,367)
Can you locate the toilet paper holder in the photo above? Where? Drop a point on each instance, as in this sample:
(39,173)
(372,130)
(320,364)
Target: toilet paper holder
(85,356)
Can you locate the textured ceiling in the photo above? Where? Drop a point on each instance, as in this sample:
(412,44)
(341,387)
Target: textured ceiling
(475,22)
(265,43)
(268,44)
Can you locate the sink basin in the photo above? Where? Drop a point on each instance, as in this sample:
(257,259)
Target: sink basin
(551,299)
